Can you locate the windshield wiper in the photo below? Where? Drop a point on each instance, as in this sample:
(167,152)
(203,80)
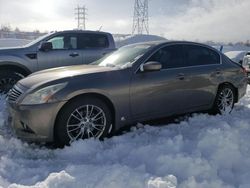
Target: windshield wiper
(110,65)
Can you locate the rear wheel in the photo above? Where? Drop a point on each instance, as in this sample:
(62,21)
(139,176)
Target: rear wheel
(82,118)
(224,101)
(8,79)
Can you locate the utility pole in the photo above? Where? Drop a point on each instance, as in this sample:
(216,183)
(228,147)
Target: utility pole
(80,12)
(140,19)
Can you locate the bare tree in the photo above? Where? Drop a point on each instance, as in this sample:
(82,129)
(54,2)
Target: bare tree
(36,31)
(17,30)
(6,28)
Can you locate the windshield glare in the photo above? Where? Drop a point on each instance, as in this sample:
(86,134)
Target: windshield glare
(124,57)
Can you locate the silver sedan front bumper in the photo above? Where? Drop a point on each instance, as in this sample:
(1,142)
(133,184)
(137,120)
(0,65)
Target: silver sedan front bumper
(34,123)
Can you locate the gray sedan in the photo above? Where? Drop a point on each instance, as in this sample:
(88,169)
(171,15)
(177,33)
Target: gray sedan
(136,83)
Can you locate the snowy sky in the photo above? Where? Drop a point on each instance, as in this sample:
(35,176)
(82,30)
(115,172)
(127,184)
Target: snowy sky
(219,20)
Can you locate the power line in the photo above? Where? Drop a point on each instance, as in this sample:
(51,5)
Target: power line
(81,12)
(140,19)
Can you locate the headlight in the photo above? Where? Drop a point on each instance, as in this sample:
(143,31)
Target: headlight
(44,95)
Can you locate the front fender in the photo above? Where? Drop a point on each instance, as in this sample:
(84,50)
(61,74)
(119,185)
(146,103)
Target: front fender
(121,107)
(23,62)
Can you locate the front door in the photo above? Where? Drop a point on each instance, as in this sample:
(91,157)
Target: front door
(159,93)
(65,52)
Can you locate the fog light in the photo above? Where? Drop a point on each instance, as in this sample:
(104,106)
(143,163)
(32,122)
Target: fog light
(26,128)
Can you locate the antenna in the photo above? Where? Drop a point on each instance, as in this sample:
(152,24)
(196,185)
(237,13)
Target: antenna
(80,12)
(140,19)
(100,28)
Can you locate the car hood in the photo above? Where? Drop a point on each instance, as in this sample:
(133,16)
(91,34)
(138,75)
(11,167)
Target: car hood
(54,74)
(10,49)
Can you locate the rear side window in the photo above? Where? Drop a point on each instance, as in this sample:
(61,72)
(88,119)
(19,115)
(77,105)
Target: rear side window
(89,40)
(199,55)
(169,57)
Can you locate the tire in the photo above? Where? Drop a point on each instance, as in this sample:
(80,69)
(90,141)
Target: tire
(73,124)
(225,99)
(8,79)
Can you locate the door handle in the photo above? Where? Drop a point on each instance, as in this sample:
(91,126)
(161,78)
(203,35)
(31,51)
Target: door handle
(74,54)
(180,76)
(217,72)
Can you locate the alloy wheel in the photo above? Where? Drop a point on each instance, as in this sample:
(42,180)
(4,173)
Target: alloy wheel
(225,100)
(85,122)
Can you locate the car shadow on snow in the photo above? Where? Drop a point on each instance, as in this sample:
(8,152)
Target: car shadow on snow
(239,111)
(160,122)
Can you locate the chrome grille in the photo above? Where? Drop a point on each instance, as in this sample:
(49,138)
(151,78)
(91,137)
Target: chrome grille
(14,94)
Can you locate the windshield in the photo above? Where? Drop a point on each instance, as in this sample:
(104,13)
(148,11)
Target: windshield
(37,40)
(125,56)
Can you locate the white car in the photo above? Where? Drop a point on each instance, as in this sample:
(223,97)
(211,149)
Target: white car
(246,62)
(237,56)
(246,65)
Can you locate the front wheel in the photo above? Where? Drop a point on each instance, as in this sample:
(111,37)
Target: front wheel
(82,118)
(224,101)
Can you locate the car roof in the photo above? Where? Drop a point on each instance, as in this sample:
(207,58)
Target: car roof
(164,42)
(82,31)
(169,42)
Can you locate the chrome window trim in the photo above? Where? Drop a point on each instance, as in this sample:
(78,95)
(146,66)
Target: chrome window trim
(181,43)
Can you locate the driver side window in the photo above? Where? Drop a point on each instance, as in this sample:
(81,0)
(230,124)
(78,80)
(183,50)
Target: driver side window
(63,42)
(169,56)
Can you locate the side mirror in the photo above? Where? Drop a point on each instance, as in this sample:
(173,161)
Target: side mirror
(151,66)
(45,46)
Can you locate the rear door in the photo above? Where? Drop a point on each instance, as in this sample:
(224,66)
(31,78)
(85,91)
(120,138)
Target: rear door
(201,74)
(65,52)
(94,46)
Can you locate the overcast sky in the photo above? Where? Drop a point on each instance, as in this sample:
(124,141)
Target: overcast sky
(218,20)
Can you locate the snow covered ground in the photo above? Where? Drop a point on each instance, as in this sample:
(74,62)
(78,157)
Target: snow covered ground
(200,152)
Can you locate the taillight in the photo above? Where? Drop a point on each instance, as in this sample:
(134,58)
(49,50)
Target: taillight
(244,71)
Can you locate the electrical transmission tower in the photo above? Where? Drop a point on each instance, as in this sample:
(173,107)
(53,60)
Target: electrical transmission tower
(80,12)
(140,19)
